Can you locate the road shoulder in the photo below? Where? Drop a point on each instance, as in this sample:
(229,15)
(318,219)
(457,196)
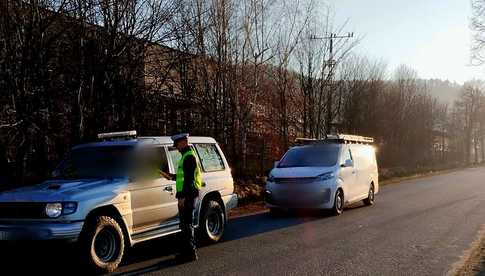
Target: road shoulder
(472,261)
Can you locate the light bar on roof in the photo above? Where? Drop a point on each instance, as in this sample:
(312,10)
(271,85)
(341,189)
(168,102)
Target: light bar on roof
(119,134)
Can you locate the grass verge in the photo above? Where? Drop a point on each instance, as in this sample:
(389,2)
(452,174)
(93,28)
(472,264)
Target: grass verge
(472,261)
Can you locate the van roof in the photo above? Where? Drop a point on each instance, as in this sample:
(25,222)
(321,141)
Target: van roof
(336,138)
(154,140)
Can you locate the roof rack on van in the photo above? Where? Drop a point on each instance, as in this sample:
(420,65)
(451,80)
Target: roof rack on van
(120,135)
(336,138)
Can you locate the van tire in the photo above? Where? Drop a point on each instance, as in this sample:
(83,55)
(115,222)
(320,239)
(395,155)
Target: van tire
(338,203)
(102,244)
(371,196)
(212,222)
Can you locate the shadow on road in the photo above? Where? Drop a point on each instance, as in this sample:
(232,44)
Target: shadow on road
(158,254)
(251,225)
(60,259)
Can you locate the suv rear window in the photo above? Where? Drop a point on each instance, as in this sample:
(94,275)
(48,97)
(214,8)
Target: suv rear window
(209,157)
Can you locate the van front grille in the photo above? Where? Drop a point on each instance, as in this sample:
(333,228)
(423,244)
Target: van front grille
(295,180)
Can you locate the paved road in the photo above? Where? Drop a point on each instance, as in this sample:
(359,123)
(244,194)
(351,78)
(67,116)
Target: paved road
(417,227)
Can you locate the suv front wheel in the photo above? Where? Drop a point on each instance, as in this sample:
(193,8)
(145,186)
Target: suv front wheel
(212,222)
(102,244)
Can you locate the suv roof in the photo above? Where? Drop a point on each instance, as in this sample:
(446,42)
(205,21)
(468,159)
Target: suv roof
(168,140)
(154,140)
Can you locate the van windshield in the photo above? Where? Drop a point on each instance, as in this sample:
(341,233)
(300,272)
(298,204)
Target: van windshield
(310,156)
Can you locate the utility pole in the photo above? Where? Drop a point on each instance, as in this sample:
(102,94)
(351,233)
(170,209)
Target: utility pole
(331,63)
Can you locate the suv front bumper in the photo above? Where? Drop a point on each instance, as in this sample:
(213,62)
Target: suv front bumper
(40,231)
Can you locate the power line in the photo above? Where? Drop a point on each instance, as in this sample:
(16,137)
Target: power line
(331,37)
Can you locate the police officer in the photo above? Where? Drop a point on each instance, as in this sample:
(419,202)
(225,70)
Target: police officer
(188,181)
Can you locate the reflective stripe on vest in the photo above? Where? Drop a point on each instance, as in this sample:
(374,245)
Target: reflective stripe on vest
(180,172)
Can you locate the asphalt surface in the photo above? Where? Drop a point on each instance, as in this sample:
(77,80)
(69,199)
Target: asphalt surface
(416,227)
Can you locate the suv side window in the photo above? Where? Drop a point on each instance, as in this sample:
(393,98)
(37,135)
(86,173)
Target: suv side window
(152,161)
(210,157)
(174,157)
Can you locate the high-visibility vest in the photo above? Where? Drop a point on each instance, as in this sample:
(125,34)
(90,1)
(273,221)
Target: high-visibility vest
(180,172)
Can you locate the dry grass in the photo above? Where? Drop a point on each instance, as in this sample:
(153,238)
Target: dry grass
(472,261)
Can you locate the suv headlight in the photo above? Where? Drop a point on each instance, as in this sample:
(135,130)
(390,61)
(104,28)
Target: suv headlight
(326,176)
(55,210)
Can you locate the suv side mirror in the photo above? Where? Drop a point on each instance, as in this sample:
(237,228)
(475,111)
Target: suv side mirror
(276,163)
(348,163)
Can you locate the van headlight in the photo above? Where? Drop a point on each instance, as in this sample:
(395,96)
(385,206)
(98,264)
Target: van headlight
(55,210)
(326,176)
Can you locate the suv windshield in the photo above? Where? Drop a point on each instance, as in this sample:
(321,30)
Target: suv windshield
(310,156)
(95,162)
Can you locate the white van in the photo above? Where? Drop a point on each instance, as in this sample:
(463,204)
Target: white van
(324,174)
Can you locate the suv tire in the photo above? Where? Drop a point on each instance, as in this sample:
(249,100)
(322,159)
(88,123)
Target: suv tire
(212,222)
(102,244)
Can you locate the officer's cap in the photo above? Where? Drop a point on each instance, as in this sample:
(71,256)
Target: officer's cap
(181,136)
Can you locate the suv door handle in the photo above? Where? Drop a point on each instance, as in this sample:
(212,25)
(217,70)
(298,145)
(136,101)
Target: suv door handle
(168,189)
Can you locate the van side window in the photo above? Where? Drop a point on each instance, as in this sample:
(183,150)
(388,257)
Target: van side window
(210,158)
(346,155)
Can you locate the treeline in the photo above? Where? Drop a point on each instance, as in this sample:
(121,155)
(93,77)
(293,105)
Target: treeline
(248,73)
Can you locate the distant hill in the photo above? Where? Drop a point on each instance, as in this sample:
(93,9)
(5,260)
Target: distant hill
(444,91)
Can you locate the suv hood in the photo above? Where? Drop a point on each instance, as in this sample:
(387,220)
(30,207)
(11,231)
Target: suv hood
(296,172)
(61,190)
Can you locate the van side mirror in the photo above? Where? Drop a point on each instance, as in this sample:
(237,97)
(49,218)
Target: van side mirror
(348,163)
(276,163)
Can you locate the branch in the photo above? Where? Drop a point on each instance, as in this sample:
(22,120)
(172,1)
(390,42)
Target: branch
(11,125)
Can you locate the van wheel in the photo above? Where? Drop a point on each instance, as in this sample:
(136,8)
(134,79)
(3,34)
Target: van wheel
(102,244)
(338,204)
(212,223)
(371,197)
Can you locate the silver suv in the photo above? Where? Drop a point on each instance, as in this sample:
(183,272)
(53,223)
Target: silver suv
(111,195)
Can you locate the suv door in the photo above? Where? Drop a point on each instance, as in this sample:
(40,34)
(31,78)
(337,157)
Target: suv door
(153,199)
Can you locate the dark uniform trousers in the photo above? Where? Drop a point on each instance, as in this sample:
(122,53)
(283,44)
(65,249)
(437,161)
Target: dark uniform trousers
(186,226)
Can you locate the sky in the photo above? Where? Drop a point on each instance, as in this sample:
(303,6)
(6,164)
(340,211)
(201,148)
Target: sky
(431,36)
